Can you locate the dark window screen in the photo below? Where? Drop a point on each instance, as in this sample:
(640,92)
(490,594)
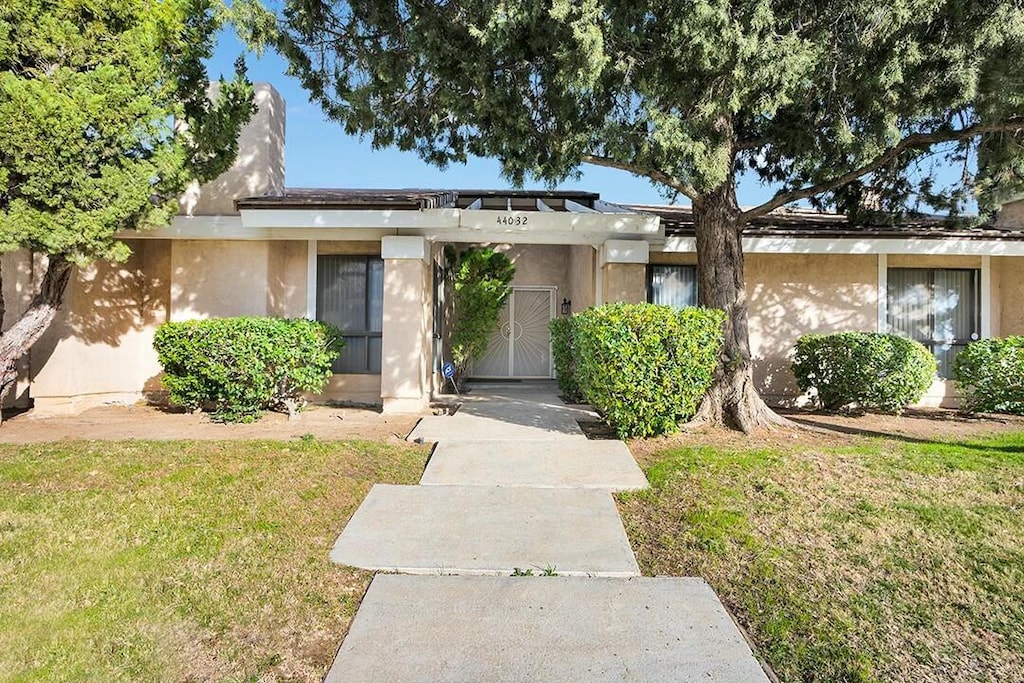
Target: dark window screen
(350,295)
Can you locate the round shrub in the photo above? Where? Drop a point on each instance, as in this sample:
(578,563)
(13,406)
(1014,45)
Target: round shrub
(990,375)
(874,371)
(563,350)
(239,367)
(646,367)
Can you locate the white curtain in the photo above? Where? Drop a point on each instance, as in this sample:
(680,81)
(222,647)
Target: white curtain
(937,307)
(673,286)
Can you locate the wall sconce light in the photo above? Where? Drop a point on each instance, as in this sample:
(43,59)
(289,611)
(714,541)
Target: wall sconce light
(566,306)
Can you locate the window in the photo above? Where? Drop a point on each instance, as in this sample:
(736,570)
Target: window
(938,307)
(350,295)
(672,285)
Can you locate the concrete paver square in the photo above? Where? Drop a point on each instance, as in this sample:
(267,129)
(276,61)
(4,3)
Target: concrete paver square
(546,464)
(531,411)
(499,427)
(445,629)
(486,530)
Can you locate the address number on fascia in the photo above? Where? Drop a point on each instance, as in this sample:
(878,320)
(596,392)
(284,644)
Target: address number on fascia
(513,220)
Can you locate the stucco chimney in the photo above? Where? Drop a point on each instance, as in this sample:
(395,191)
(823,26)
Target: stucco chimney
(1011,215)
(259,168)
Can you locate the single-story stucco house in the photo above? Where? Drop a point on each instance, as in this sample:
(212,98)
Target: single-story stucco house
(369,261)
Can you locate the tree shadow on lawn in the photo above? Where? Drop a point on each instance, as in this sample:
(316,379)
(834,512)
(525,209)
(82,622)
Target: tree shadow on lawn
(966,441)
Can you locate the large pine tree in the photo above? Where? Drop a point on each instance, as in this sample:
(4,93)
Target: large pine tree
(105,119)
(827,101)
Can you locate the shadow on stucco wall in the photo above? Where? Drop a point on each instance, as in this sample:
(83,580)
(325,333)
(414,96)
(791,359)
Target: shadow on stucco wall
(793,295)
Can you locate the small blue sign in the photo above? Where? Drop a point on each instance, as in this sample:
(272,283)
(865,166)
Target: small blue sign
(448,370)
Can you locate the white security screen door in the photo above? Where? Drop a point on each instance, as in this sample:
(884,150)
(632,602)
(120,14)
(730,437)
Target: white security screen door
(521,347)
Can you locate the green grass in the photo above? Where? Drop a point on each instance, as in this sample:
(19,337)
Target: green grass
(880,561)
(150,561)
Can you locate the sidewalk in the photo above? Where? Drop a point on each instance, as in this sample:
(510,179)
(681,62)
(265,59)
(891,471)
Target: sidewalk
(514,487)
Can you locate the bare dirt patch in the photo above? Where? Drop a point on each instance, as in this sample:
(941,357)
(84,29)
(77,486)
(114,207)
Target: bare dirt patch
(118,423)
(841,429)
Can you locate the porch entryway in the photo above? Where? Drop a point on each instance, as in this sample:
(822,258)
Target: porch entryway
(521,346)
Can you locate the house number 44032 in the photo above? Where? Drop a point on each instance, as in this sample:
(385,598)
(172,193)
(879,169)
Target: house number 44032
(512,220)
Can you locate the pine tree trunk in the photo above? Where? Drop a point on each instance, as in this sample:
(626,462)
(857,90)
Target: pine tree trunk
(23,334)
(3,301)
(733,399)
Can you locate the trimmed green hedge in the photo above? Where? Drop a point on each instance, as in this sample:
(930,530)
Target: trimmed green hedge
(875,371)
(239,367)
(990,375)
(646,367)
(562,348)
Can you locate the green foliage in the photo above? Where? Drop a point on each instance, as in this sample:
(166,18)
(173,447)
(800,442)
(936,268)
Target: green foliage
(875,371)
(685,92)
(990,375)
(833,102)
(564,353)
(646,367)
(91,96)
(238,367)
(482,285)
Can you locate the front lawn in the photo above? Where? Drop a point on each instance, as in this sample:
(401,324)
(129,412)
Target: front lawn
(197,561)
(882,560)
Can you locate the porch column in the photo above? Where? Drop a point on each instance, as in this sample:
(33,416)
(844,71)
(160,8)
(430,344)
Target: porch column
(624,271)
(407,322)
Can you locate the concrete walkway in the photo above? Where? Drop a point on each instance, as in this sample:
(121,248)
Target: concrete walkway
(514,486)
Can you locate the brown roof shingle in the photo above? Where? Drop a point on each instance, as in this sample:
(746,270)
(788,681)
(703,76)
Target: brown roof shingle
(678,221)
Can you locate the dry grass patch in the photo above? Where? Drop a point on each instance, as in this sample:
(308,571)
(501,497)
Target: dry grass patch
(194,561)
(881,560)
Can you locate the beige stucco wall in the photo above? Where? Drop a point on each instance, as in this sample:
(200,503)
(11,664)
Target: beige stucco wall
(914,261)
(258,168)
(360,389)
(1007,295)
(100,348)
(540,265)
(1011,215)
(350,248)
(286,278)
(218,278)
(406,350)
(791,295)
(624,282)
(582,259)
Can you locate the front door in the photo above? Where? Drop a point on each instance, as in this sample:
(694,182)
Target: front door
(521,347)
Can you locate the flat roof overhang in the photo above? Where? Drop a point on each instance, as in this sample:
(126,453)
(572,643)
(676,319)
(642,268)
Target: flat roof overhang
(522,217)
(445,227)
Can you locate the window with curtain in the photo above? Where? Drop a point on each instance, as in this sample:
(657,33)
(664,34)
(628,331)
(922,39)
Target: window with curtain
(672,285)
(938,307)
(350,295)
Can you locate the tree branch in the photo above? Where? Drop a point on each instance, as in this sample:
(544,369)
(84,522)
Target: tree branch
(914,141)
(748,144)
(656,176)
